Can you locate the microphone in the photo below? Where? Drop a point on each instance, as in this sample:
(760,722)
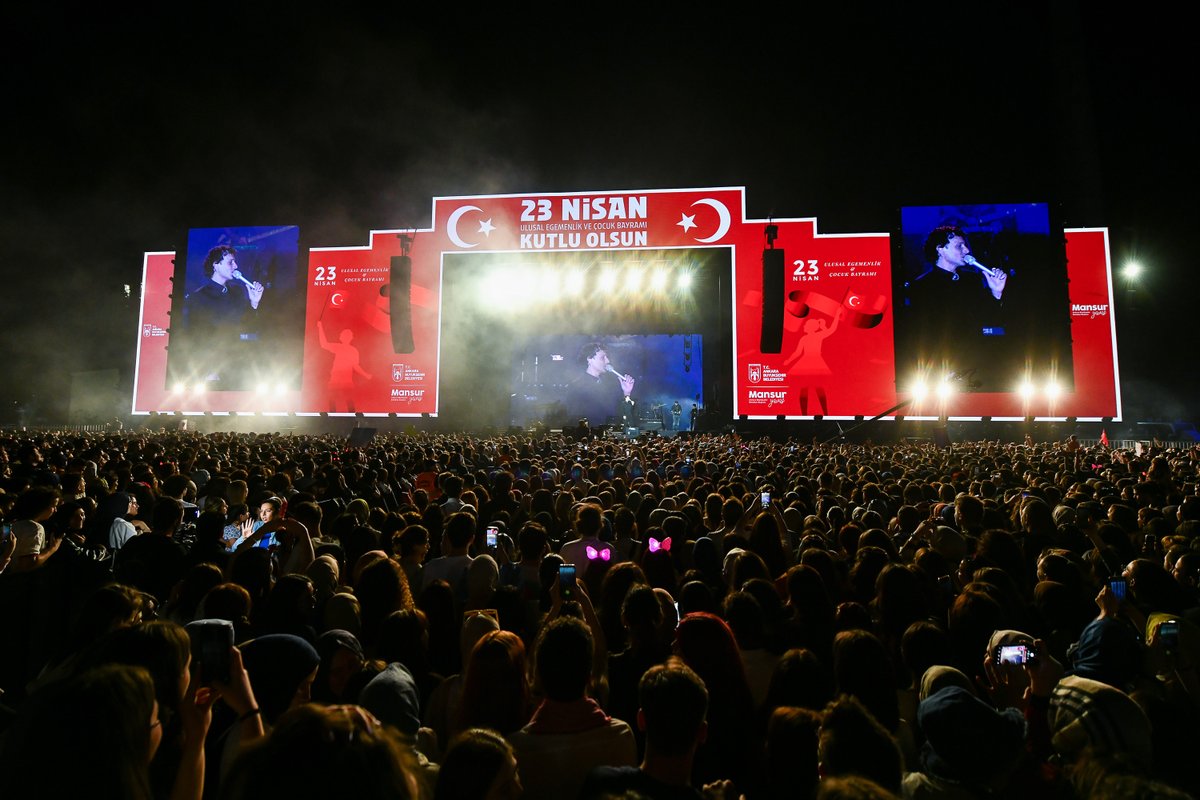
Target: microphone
(620,376)
(972,262)
(612,369)
(238,274)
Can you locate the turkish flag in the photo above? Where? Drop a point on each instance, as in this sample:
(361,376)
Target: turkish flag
(802,302)
(855,308)
(861,311)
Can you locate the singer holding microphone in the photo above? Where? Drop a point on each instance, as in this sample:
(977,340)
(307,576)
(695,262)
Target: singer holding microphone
(947,249)
(220,315)
(956,311)
(221,267)
(600,392)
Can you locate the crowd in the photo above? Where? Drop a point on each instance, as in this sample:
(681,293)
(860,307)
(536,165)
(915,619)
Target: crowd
(194,615)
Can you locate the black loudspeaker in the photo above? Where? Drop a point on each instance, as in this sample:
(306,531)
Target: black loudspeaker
(771,340)
(941,436)
(360,437)
(400,304)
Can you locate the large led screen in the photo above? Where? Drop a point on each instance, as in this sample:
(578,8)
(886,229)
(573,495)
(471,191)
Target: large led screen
(644,381)
(550,338)
(237,321)
(981,295)
(794,322)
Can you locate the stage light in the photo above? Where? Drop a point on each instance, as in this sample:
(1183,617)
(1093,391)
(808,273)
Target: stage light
(520,288)
(492,287)
(200,388)
(633,280)
(509,289)
(608,280)
(179,388)
(1027,390)
(551,284)
(1132,271)
(685,280)
(945,388)
(574,283)
(280,389)
(919,391)
(1053,390)
(261,388)
(658,280)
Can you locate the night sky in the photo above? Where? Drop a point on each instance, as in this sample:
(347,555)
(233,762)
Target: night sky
(124,129)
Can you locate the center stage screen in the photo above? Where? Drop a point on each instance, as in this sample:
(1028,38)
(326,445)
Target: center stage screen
(620,339)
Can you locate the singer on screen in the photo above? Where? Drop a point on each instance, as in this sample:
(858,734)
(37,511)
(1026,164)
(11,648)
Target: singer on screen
(221,297)
(219,313)
(601,391)
(955,309)
(947,250)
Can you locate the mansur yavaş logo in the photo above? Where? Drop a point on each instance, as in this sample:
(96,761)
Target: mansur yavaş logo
(1089,310)
(768,398)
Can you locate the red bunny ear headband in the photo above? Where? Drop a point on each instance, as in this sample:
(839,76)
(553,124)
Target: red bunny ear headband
(656,545)
(603,555)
